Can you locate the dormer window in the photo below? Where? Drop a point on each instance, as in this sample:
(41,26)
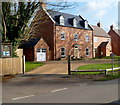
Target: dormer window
(86,24)
(62,20)
(74,23)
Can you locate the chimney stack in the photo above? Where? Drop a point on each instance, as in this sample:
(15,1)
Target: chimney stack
(99,24)
(43,5)
(111,27)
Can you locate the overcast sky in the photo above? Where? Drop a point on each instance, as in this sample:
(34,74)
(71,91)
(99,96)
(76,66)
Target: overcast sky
(105,11)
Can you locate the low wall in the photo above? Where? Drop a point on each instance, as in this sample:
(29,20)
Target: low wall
(11,66)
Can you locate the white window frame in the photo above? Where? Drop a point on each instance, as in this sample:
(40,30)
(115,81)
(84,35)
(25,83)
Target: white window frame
(96,50)
(87,38)
(63,56)
(75,37)
(74,23)
(95,39)
(87,52)
(62,35)
(62,21)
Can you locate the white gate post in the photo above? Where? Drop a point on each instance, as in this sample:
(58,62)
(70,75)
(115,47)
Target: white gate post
(23,63)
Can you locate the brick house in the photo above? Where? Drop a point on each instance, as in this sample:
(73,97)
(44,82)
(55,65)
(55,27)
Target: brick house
(115,40)
(102,41)
(35,47)
(61,34)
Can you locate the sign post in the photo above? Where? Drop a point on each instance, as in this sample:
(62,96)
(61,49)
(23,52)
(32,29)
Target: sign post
(6,49)
(112,61)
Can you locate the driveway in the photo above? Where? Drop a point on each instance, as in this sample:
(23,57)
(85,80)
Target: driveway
(60,67)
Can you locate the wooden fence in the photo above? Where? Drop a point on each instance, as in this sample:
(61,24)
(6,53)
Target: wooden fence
(12,65)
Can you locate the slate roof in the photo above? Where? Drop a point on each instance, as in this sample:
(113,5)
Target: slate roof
(29,43)
(98,31)
(68,19)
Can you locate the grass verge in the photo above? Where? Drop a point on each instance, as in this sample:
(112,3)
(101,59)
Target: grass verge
(116,58)
(32,65)
(109,77)
(96,66)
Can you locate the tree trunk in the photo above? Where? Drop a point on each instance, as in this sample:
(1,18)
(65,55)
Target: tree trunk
(4,28)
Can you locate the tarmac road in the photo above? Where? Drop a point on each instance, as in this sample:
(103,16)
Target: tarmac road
(52,89)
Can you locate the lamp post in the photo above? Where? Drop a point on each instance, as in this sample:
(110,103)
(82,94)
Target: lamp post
(69,66)
(0,29)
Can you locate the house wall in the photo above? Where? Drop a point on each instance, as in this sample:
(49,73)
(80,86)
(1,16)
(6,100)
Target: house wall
(29,54)
(108,49)
(115,42)
(69,41)
(41,44)
(98,42)
(43,27)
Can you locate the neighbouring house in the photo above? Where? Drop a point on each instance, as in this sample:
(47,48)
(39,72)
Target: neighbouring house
(102,42)
(115,40)
(54,35)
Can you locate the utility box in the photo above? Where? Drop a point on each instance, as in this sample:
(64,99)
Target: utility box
(6,49)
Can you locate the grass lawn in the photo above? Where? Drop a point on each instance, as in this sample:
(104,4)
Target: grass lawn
(32,65)
(96,66)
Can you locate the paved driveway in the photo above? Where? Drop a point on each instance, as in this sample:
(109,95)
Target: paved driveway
(60,67)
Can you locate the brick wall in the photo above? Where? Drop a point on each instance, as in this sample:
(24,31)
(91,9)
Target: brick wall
(29,54)
(69,41)
(42,26)
(115,42)
(98,41)
(41,44)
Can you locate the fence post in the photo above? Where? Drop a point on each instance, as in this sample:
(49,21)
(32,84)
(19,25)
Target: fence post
(23,63)
(105,71)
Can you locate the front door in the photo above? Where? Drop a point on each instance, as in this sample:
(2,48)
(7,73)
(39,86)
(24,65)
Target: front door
(41,54)
(76,52)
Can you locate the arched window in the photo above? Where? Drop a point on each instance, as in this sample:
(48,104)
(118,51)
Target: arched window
(62,22)
(74,23)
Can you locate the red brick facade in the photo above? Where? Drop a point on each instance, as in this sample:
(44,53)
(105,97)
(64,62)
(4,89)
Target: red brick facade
(41,44)
(105,50)
(115,41)
(102,42)
(69,41)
